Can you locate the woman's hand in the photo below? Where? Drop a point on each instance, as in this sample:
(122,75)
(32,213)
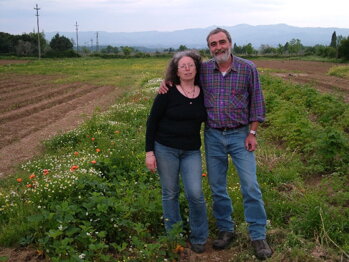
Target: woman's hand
(150,161)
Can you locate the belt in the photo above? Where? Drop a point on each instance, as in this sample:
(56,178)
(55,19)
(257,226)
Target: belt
(224,129)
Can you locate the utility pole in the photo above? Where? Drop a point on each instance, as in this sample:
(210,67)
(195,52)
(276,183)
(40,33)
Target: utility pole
(77,37)
(91,45)
(97,43)
(37,21)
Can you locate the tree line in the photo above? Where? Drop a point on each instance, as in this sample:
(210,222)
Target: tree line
(338,48)
(61,46)
(27,45)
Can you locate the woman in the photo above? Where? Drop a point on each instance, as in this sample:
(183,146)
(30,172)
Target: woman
(173,145)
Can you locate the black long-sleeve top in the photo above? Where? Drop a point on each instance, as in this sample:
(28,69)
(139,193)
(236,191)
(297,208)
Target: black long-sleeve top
(175,121)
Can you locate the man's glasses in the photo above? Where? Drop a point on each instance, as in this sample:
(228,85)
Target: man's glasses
(184,66)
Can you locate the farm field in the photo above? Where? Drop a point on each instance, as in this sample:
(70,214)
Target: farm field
(86,195)
(36,107)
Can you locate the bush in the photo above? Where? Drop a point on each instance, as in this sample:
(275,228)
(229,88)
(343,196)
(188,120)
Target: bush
(61,54)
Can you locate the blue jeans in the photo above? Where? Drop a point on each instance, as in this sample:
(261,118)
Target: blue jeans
(170,163)
(218,145)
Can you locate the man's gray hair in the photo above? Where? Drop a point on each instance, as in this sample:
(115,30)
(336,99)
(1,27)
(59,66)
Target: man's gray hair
(216,31)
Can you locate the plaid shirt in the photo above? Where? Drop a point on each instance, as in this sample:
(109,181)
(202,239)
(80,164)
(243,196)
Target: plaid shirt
(234,99)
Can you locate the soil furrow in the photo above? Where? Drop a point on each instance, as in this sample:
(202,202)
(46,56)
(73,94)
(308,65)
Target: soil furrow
(33,96)
(14,83)
(31,109)
(12,131)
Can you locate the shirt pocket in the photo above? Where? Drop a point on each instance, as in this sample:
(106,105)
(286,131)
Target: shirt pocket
(238,99)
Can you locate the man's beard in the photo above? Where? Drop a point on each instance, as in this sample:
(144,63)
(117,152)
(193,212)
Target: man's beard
(222,58)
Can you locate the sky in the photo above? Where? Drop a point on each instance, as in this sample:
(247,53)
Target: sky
(18,16)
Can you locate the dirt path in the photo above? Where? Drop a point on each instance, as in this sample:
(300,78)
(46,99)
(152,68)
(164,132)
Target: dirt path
(33,109)
(308,72)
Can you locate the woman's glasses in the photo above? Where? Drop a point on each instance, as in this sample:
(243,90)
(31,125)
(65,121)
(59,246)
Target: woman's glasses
(184,66)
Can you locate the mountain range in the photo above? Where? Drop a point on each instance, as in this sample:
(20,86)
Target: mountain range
(242,34)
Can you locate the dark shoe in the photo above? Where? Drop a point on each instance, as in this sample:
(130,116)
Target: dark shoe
(224,240)
(197,248)
(262,249)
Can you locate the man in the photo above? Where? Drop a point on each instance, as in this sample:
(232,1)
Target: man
(235,106)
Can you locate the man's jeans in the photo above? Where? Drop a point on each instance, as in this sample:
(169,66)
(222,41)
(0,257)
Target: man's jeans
(170,163)
(218,145)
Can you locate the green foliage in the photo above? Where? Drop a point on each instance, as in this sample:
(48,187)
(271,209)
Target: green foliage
(339,71)
(310,123)
(21,45)
(61,43)
(182,48)
(334,40)
(60,54)
(343,49)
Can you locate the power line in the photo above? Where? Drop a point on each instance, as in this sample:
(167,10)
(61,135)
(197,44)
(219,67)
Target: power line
(97,43)
(77,37)
(37,21)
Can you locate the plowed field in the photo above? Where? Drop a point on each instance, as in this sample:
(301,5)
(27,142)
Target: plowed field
(308,72)
(32,109)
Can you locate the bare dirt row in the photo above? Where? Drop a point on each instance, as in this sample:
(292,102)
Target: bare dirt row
(308,72)
(33,108)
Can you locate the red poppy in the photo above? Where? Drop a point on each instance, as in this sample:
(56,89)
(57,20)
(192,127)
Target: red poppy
(74,167)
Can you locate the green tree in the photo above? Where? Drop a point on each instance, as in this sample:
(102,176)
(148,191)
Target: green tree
(182,48)
(286,48)
(334,40)
(6,43)
(280,49)
(237,49)
(266,49)
(295,46)
(127,50)
(248,49)
(343,49)
(25,48)
(61,43)
(110,50)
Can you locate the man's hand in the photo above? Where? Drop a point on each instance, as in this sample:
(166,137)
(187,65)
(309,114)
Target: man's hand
(251,143)
(163,89)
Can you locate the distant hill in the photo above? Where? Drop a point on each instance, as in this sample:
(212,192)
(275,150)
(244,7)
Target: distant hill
(196,38)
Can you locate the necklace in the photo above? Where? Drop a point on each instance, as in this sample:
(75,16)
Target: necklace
(188,93)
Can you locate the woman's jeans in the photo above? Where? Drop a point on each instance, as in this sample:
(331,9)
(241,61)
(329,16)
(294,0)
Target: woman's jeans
(218,145)
(170,163)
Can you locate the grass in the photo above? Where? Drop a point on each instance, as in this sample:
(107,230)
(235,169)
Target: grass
(114,72)
(339,71)
(92,198)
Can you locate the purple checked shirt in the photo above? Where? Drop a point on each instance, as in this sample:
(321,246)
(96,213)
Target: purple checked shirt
(234,99)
